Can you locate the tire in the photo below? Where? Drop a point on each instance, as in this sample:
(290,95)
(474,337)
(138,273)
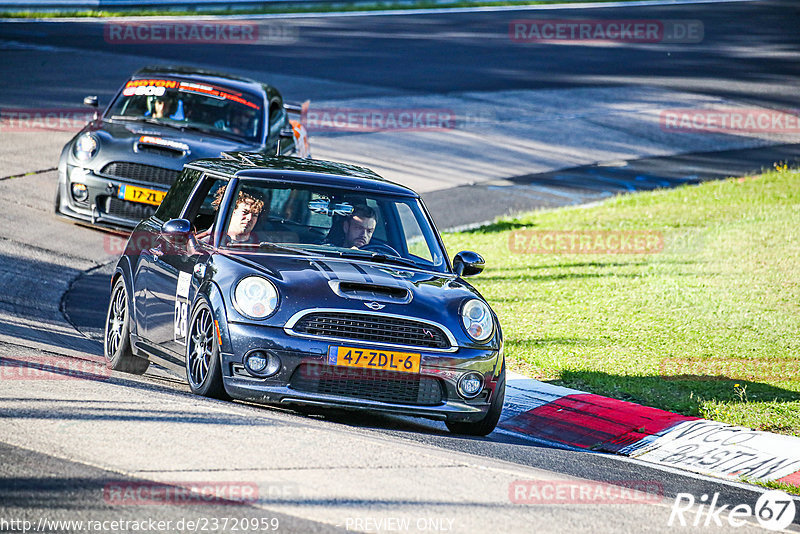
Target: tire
(203,367)
(489,422)
(117,337)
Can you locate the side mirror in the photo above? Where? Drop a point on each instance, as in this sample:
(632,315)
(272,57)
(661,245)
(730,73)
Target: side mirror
(285,133)
(468,263)
(90,101)
(176,228)
(177,232)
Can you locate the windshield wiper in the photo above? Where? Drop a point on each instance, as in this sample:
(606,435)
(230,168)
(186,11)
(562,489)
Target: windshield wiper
(220,133)
(272,247)
(378,257)
(183,127)
(266,245)
(150,120)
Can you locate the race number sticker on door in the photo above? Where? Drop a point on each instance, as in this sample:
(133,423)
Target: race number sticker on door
(182,307)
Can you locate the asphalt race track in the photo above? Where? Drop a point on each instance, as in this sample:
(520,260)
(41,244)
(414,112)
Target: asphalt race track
(540,125)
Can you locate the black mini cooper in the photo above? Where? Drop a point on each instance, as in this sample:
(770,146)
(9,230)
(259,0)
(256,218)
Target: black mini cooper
(303,282)
(116,170)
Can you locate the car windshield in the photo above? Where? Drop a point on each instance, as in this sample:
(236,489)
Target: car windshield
(191,105)
(267,217)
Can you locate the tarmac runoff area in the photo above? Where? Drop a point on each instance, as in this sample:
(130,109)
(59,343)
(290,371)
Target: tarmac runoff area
(48,261)
(493,138)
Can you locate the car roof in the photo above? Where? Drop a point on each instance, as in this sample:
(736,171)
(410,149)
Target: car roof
(209,76)
(252,165)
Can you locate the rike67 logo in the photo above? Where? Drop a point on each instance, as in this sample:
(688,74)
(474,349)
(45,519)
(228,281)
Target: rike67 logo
(774,510)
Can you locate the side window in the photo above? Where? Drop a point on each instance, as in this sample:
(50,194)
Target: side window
(380,222)
(415,240)
(202,212)
(177,196)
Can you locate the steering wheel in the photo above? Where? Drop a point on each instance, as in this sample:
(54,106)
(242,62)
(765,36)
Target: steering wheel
(380,248)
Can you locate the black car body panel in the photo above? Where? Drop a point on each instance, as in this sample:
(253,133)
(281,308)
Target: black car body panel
(378,304)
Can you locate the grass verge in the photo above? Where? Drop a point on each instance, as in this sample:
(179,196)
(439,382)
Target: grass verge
(707,327)
(772,484)
(269,9)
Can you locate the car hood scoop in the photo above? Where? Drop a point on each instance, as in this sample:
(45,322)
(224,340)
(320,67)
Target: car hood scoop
(365,291)
(162,146)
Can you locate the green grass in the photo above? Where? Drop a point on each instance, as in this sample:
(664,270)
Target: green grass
(305,7)
(707,327)
(772,484)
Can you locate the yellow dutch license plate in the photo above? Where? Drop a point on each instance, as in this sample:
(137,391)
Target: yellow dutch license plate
(140,194)
(386,360)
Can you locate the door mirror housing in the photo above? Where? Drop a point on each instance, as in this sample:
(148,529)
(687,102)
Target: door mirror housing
(177,233)
(468,263)
(285,133)
(90,101)
(176,228)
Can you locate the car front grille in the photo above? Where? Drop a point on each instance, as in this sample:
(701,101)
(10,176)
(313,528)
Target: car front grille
(140,172)
(374,328)
(128,210)
(368,384)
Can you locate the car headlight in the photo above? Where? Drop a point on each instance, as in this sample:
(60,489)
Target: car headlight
(85,147)
(477,320)
(255,297)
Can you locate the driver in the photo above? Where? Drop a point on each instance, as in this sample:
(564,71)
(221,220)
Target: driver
(166,107)
(359,226)
(162,107)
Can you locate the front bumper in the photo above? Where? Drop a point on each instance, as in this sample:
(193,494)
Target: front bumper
(297,355)
(102,207)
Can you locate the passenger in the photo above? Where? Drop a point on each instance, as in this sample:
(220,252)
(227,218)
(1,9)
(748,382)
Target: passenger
(242,122)
(243,219)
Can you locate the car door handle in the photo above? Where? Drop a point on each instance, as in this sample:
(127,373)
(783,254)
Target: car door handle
(155,253)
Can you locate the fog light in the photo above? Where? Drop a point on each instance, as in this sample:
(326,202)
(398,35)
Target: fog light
(262,363)
(470,385)
(80,192)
